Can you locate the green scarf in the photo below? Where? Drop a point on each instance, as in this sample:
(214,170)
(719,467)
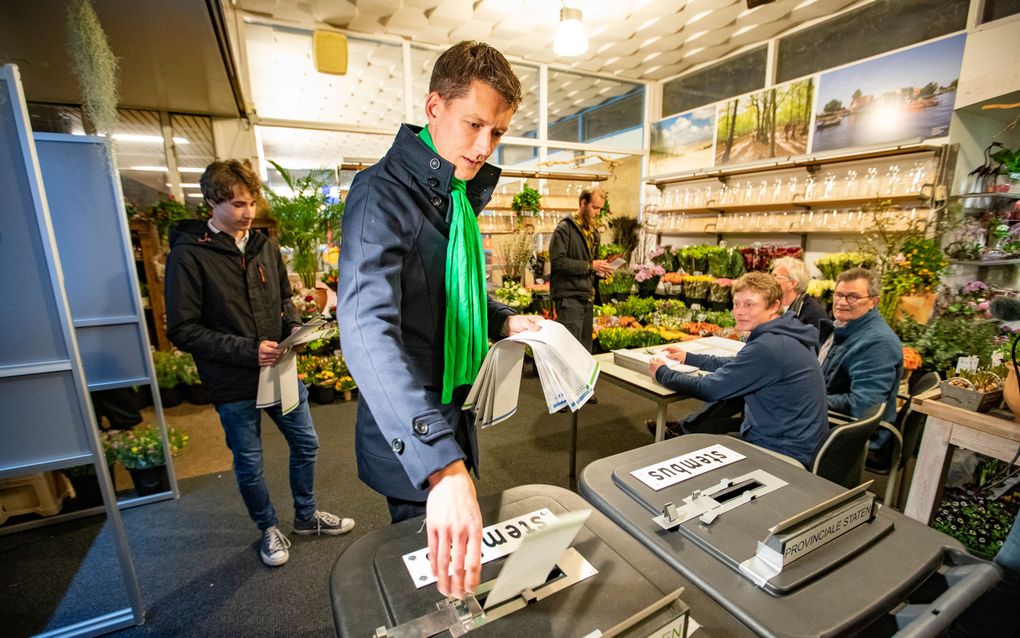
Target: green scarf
(466,336)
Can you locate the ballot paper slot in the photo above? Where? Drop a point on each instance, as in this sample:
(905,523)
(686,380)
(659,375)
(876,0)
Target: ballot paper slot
(454,617)
(708,504)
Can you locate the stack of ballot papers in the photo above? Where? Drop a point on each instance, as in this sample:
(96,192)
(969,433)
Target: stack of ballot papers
(637,359)
(567,372)
(278,384)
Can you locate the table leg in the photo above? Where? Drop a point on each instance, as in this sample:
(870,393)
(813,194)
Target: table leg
(930,471)
(660,423)
(573,450)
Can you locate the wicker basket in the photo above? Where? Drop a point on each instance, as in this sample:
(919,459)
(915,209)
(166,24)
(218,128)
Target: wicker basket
(969,398)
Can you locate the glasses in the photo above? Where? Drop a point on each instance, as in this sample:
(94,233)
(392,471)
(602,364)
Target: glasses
(783,277)
(850,299)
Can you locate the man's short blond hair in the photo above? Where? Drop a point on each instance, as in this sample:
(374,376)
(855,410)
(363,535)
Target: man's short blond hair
(762,283)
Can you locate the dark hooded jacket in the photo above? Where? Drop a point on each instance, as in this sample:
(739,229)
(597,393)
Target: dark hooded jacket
(778,375)
(571,275)
(220,304)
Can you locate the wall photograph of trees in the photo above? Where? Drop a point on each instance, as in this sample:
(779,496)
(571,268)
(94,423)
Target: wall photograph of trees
(775,122)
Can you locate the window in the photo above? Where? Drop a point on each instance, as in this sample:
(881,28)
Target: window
(881,26)
(997,9)
(740,74)
(595,110)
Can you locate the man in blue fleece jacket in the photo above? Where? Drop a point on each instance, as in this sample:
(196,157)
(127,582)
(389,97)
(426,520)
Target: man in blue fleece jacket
(776,372)
(862,360)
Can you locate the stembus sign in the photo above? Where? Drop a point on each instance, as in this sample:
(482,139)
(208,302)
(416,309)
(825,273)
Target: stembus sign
(680,468)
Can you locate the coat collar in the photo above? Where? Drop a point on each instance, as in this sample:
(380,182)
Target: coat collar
(421,162)
(858,325)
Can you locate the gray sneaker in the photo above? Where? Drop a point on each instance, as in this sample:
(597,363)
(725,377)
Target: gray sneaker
(324,523)
(274,547)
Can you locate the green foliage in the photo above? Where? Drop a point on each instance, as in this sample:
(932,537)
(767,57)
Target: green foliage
(725,262)
(604,212)
(670,307)
(608,250)
(165,213)
(303,219)
(833,264)
(916,270)
(513,294)
(947,338)
(142,447)
(528,199)
(93,64)
(615,338)
(696,258)
(1008,160)
(625,232)
(187,370)
(665,258)
(971,516)
(637,307)
(721,318)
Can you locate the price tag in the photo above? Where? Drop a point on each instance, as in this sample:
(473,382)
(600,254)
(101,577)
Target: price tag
(967,364)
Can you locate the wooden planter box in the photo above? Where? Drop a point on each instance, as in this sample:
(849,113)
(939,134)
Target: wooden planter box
(970,399)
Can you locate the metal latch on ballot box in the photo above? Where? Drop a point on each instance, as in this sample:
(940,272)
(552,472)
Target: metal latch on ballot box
(709,503)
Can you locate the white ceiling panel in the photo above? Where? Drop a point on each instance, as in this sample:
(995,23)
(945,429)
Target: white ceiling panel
(684,33)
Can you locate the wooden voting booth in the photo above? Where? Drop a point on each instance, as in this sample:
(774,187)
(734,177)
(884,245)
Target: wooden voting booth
(73,323)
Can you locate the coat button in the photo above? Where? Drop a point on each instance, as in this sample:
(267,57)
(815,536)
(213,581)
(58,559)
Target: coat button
(437,202)
(434,164)
(397,446)
(421,427)
(433,182)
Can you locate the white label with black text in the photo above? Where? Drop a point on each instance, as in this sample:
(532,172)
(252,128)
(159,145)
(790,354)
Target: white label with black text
(680,468)
(498,540)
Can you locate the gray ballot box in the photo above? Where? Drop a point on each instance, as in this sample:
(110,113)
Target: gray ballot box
(374,594)
(784,551)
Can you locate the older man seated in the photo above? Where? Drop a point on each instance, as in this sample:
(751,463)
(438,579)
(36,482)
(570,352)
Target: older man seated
(793,277)
(776,373)
(862,359)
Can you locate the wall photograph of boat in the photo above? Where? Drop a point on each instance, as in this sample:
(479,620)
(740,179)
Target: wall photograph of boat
(901,97)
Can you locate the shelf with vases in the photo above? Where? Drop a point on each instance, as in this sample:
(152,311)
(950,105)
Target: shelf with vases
(1006,195)
(813,204)
(1007,261)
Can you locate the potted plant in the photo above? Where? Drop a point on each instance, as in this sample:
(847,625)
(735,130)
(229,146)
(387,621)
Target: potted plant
(720,293)
(538,261)
(973,515)
(1009,165)
(909,281)
(514,253)
(345,386)
(324,383)
(696,288)
(625,233)
(304,218)
(141,452)
(647,277)
(514,295)
(168,378)
(528,200)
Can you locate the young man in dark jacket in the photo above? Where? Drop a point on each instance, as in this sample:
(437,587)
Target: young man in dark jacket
(415,319)
(575,267)
(228,304)
(776,373)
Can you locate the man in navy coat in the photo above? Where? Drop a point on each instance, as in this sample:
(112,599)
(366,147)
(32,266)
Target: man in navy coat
(411,445)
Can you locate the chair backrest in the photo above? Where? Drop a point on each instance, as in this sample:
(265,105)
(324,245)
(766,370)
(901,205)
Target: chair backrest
(915,386)
(840,457)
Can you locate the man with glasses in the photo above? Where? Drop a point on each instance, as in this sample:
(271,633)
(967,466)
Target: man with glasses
(862,360)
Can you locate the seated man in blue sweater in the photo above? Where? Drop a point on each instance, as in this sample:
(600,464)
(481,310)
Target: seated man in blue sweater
(776,373)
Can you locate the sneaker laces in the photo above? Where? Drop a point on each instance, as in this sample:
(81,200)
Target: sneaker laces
(331,520)
(277,541)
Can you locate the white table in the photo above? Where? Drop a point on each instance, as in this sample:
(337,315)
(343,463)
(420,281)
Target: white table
(640,384)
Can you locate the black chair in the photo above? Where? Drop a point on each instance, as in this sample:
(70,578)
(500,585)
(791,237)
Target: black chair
(840,457)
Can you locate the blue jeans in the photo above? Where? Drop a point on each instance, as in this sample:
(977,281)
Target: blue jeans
(242,424)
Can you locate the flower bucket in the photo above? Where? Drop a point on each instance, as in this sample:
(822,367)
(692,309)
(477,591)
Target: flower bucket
(322,394)
(150,480)
(918,307)
(171,397)
(647,288)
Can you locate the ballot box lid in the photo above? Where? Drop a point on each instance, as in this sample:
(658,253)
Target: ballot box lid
(370,586)
(835,590)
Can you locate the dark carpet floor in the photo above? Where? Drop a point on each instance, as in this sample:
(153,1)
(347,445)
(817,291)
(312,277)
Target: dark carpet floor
(196,557)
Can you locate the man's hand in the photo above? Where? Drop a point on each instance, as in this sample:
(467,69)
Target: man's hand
(677,354)
(602,268)
(455,530)
(520,323)
(655,364)
(269,353)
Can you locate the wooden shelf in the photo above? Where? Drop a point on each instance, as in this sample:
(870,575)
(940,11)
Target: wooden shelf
(1013,196)
(801,162)
(778,207)
(555,175)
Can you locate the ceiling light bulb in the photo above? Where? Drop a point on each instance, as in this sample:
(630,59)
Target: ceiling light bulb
(571,39)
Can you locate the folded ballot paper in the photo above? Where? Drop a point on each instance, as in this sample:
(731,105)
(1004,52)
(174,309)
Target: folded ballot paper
(567,372)
(278,384)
